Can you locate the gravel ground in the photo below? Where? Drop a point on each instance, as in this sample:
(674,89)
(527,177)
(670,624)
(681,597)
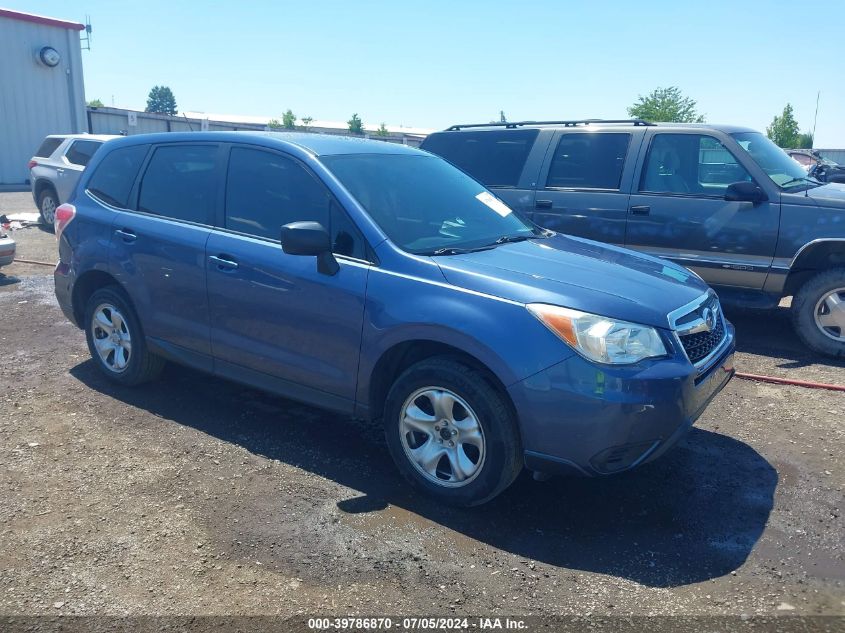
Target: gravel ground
(193,495)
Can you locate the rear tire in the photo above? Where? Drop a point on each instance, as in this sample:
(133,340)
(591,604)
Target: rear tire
(47,203)
(116,341)
(818,312)
(451,433)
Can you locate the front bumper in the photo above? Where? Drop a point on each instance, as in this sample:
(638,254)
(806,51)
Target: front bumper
(582,418)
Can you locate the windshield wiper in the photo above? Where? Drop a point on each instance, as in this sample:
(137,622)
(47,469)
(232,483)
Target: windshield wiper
(510,239)
(454,250)
(793,181)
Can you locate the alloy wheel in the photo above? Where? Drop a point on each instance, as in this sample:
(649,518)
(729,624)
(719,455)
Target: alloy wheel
(111,337)
(830,315)
(442,437)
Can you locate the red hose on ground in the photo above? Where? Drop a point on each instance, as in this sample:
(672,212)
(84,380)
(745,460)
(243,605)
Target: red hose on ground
(789,381)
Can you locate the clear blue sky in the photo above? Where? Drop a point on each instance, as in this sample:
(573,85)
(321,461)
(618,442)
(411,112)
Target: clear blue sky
(432,63)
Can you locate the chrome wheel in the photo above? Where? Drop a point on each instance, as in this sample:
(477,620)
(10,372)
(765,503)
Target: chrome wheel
(111,337)
(442,437)
(830,315)
(48,209)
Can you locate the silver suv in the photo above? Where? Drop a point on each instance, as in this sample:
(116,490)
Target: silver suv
(56,166)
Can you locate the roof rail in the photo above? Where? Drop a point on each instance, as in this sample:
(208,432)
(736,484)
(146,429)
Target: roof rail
(572,123)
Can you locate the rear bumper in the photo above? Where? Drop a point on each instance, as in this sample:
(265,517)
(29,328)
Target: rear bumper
(581,418)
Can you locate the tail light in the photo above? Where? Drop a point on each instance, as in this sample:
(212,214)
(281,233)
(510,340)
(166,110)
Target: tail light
(64,214)
(32,163)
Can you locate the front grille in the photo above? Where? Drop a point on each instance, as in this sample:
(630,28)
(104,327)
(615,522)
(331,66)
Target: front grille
(699,344)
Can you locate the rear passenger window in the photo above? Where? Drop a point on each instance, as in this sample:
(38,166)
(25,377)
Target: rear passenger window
(588,161)
(114,175)
(493,158)
(179,183)
(48,146)
(80,152)
(265,190)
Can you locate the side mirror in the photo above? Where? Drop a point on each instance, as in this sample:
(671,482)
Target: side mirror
(310,238)
(745,191)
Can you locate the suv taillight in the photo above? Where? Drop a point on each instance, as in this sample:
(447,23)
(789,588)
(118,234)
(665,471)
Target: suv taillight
(32,163)
(64,214)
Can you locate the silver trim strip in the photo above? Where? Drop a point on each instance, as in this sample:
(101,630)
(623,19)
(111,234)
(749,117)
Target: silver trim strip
(813,242)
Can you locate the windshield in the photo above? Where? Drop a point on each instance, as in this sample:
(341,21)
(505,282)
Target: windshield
(783,170)
(425,205)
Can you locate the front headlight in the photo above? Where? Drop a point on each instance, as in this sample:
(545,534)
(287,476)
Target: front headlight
(601,339)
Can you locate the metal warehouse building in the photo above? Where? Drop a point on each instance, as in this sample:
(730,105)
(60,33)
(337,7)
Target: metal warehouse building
(41,90)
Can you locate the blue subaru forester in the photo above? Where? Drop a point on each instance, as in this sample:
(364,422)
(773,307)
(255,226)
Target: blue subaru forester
(381,282)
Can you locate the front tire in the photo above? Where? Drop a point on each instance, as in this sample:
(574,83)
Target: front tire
(116,341)
(818,312)
(451,433)
(47,203)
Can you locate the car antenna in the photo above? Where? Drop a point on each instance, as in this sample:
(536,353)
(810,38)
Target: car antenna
(188,121)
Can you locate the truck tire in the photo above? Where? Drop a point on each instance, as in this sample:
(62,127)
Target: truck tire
(818,312)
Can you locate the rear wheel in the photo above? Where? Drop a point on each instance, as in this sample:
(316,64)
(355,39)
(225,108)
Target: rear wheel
(115,339)
(818,312)
(452,433)
(47,203)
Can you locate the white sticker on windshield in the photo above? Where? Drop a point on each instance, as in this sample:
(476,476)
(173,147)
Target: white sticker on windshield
(494,203)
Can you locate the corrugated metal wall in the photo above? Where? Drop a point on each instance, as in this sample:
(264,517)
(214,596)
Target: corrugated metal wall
(36,100)
(116,121)
(836,155)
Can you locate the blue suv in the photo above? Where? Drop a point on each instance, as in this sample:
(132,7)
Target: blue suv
(381,282)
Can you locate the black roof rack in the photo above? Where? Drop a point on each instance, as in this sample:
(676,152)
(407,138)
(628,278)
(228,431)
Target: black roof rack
(572,123)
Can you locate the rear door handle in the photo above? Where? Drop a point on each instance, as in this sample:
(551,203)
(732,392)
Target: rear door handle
(543,204)
(127,235)
(223,263)
(641,209)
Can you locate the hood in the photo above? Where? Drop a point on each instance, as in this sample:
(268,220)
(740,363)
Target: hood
(831,195)
(579,274)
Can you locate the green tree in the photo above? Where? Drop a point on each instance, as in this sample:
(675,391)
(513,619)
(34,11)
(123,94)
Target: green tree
(289,120)
(784,130)
(95,103)
(666,104)
(274,124)
(356,125)
(382,131)
(805,140)
(161,100)
(306,122)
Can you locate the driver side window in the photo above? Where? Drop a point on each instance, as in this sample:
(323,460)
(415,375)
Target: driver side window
(690,164)
(265,190)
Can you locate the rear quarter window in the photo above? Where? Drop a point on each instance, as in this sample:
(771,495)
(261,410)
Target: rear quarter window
(80,152)
(48,146)
(494,158)
(114,176)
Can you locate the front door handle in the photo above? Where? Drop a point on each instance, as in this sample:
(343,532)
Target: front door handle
(127,235)
(223,263)
(641,209)
(543,204)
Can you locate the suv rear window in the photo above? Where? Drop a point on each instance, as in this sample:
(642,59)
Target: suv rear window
(48,147)
(588,161)
(179,183)
(495,158)
(80,152)
(114,176)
